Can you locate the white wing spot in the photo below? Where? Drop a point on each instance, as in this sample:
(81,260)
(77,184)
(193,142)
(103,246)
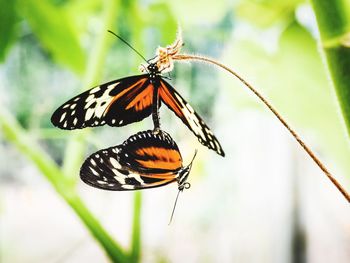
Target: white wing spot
(91,97)
(119,177)
(127,186)
(94,172)
(63,116)
(95,90)
(138,178)
(89,114)
(212,144)
(218,146)
(115,163)
(189,107)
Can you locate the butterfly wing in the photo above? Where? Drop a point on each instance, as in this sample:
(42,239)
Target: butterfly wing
(151,152)
(129,167)
(189,117)
(116,103)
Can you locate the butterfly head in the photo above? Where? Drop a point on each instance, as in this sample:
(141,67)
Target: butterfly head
(153,72)
(153,68)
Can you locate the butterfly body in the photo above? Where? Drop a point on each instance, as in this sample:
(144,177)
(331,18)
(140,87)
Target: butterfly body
(131,99)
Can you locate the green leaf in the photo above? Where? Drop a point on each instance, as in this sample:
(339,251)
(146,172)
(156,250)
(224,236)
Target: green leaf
(334,26)
(53,28)
(7,26)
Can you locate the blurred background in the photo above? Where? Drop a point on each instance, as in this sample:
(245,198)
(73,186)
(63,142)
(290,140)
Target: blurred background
(266,201)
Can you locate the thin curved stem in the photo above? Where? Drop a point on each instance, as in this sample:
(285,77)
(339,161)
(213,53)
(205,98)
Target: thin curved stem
(274,111)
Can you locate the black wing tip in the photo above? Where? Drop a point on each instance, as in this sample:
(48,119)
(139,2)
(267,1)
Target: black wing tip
(86,175)
(56,123)
(54,119)
(220,152)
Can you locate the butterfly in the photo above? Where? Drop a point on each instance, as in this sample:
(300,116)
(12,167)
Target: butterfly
(131,99)
(147,159)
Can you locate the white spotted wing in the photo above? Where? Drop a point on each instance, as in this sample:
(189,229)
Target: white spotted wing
(189,117)
(145,160)
(115,103)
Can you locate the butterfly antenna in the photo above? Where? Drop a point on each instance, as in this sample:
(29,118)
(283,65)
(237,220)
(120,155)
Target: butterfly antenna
(172,213)
(128,45)
(194,156)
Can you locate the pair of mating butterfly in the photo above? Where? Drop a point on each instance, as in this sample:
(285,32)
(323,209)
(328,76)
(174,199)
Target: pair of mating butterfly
(147,159)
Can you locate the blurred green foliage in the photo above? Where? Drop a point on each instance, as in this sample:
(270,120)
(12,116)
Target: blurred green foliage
(54,48)
(7,26)
(267,13)
(55,31)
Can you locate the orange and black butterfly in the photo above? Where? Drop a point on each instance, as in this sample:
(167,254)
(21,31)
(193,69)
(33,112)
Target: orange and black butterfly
(147,159)
(128,100)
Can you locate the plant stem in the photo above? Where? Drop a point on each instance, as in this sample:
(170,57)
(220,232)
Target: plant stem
(114,251)
(334,28)
(274,111)
(15,134)
(135,252)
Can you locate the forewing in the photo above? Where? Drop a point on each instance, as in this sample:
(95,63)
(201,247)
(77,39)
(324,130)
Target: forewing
(116,103)
(189,117)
